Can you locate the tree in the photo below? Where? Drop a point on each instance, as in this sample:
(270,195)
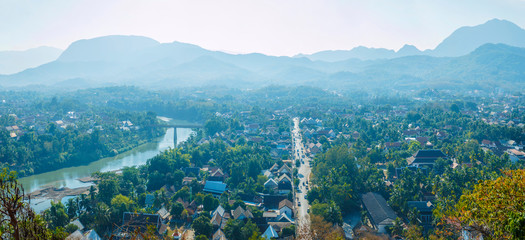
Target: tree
(238,230)
(454,108)
(414,146)
(17,219)
(233,229)
(72,208)
(210,203)
(413,232)
(330,212)
(323,230)
(70,228)
(201,237)
(56,215)
(215,125)
(107,188)
(493,208)
(119,205)
(176,209)
(202,226)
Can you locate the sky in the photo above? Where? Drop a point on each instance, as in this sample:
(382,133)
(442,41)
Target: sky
(274,27)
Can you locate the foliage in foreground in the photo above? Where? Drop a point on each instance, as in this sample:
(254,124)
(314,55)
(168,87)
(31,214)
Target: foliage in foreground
(494,208)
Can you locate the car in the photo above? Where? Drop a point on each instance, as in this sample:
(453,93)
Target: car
(299,204)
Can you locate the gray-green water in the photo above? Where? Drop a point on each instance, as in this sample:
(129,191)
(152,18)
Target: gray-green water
(68,177)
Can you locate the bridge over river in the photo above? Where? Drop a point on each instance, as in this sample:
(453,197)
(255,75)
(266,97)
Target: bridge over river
(175,126)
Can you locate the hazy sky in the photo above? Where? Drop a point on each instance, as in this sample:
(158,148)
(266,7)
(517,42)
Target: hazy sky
(276,27)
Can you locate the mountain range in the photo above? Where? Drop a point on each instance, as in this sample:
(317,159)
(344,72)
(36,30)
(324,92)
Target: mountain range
(16,61)
(461,42)
(484,56)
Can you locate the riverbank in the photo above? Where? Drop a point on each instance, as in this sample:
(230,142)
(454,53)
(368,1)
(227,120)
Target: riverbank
(75,179)
(56,194)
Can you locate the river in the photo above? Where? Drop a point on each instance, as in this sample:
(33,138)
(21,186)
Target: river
(68,177)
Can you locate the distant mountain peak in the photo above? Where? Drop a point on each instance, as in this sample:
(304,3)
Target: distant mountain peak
(16,61)
(466,39)
(408,50)
(113,48)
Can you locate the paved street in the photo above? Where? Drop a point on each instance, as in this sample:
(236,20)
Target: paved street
(303,174)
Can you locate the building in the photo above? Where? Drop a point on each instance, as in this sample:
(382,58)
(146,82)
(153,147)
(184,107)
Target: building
(141,221)
(379,212)
(270,233)
(286,207)
(241,214)
(284,184)
(425,211)
(88,235)
(426,157)
(216,188)
(270,184)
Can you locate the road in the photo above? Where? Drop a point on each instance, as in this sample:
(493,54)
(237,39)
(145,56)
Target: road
(303,174)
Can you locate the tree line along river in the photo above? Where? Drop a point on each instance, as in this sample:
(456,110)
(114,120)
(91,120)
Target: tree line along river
(68,177)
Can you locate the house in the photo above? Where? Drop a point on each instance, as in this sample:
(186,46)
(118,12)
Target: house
(441,135)
(219,217)
(270,216)
(267,173)
(349,232)
(283,218)
(278,226)
(392,145)
(272,201)
(219,210)
(411,132)
(149,200)
(270,184)
(515,155)
(422,140)
(88,235)
(426,157)
(218,221)
(286,207)
(284,184)
(275,167)
(216,188)
(488,144)
(216,174)
(425,211)
(164,214)
(141,221)
(270,233)
(284,170)
(379,212)
(240,213)
(218,235)
(78,224)
(188,180)
(315,148)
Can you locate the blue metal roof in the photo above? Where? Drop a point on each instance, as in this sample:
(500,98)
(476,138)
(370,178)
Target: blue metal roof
(215,187)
